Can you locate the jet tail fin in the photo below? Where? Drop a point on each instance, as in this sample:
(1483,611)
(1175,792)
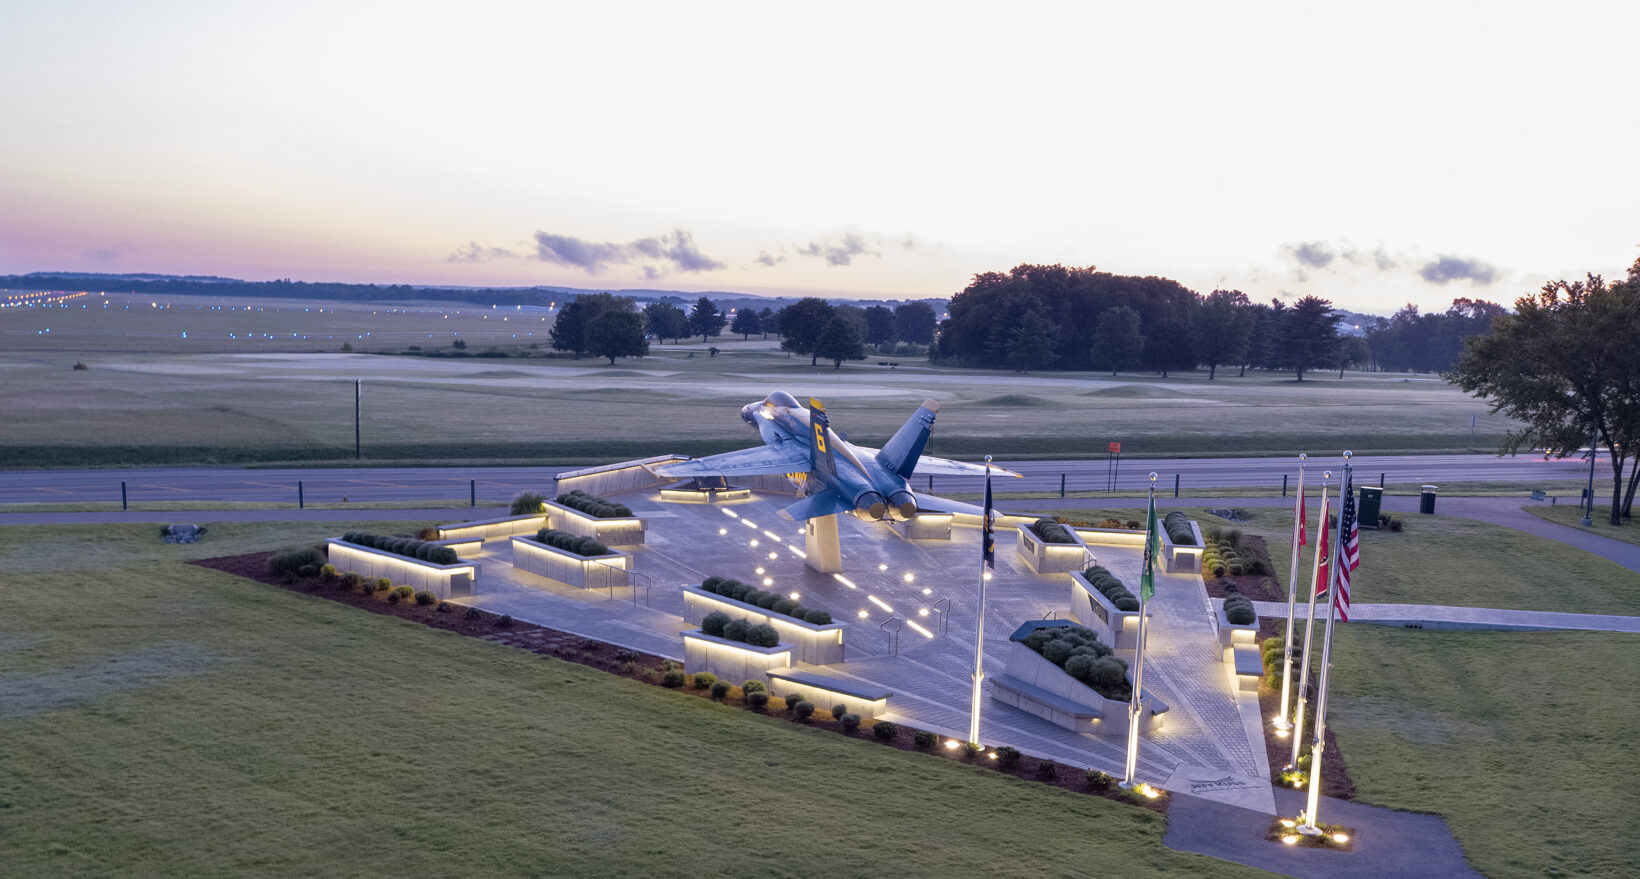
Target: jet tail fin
(899,455)
(820,458)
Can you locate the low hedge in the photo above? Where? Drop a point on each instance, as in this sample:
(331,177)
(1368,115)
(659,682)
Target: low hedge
(593,505)
(290,562)
(1238,609)
(1115,590)
(409,547)
(1051,531)
(526,503)
(581,546)
(1178,529)
(770,601)
(1083,656)
(719,625)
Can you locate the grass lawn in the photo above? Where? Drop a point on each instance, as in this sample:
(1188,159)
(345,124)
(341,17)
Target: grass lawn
(1443,560)
(163,719)
(1600,523)
(1521,740)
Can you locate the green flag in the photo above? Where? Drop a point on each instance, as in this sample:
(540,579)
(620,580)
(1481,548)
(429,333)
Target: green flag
(1153,544)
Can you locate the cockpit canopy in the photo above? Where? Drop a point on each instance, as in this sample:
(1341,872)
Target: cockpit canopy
(781,399)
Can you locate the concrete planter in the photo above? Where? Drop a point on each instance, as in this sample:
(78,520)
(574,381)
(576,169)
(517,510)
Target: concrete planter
(1051,694)
(622,531)
(1238,649)
(857,697)
(1111,537)
(810,642)
(1051,558)
(1183,559)
(582,572)
(444,581)
(493,529)
(465,547)
(731,661)
(1090,607)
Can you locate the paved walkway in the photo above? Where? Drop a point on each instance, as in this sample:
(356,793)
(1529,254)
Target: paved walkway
(1436,616)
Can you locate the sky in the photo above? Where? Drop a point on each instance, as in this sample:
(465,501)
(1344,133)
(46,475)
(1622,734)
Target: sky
(1371,155)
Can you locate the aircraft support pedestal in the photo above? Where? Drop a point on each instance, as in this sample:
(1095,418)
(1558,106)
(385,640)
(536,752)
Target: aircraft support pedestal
(820,542)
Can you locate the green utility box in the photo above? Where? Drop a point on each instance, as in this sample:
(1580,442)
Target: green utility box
(1372,498)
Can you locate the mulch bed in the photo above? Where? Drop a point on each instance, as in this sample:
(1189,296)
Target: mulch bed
(644,667)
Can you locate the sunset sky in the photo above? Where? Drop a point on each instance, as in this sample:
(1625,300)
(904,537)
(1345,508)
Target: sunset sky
(1374,155)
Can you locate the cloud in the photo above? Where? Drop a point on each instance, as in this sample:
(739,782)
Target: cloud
(655,256)
(1313,254)
(105,256)
(840,254)
(475,252)
(1444,269)
(764,258)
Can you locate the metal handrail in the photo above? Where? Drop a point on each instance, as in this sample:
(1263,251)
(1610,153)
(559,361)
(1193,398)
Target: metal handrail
(609,586)
(945,614)
(894,635)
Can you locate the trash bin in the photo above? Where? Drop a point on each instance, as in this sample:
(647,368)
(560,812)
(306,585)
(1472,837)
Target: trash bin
(1426,499)
(1372,500)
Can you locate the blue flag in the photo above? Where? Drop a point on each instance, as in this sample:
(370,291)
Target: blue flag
(988,540)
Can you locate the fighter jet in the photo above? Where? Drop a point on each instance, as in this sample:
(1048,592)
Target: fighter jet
(837,476)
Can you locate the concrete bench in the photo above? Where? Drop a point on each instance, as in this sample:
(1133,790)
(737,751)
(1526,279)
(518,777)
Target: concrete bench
(859,697)
(1051,707)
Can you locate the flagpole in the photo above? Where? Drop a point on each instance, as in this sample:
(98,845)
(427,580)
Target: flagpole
(1309,627)
(1282,723)
(1308,828)
(979,635)
(1132,767)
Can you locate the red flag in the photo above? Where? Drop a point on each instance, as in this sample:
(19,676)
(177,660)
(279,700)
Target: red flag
(1303,535)
(1323,547)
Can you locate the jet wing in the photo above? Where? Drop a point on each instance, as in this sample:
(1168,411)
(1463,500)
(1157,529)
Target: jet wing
(927,503)
(928,465)
(823,504)
(786,458)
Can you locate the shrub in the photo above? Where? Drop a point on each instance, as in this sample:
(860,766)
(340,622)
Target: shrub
(289,562)
(720,690)
(505,621)
(925,740)
(818,617)
(1238,609)
(713,623)
(753,686)
(1056,652)
(783,606)
(1106,673)
(885,731)
(803,710)
(425,598)
(849,722)
(394,597)
(1096,780)
(1395,526)
(705,679)
(1047,770)
(1237,569)
(592,505)
(582,546)
(970,750)
(472,613)
(350,580)
(403,591)
(766,600)
(762,635)
(625,655)
(672,680)
(1051,531)
(757,700)
(838,710)
(1007,757)
(445,607)
(1082,655)
(327,574)
(526,502)
(736,630)
(1218,570)
(308,571)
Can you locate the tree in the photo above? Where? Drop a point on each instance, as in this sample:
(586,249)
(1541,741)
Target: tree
(1221,329)
(617,334)
(766,320)
(1167,347)
(800,326)
(1309,335)
(1352,351)
(1117,342)
(705,319)
(1564,364)
(839,340)
(665,321)
(569,331)
(914,323)
(1032,342)
(880,326)
(746,323)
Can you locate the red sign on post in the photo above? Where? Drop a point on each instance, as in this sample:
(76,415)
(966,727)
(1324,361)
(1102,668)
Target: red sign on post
(1116,448)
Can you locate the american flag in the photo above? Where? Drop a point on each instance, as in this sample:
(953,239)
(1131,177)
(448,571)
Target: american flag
(1350,556)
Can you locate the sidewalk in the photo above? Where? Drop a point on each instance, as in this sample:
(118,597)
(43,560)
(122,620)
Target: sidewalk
(1436,616)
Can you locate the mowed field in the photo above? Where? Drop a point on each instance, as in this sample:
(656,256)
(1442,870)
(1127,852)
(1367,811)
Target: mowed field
(148,396)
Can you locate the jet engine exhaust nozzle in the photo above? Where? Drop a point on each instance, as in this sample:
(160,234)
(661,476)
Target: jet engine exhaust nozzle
(872,504)
(904,504)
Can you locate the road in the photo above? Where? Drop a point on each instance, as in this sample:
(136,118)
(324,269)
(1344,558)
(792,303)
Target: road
(499,484)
